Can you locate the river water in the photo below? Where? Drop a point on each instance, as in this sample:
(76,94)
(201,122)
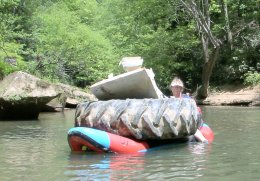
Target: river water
(38,150)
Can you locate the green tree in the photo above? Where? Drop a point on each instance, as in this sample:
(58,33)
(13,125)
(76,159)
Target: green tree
(81,42)
(11,47)
(210,26)
(153,30)
(67,49)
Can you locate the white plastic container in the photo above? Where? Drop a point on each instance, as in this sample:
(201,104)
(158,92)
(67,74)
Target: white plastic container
(131,63)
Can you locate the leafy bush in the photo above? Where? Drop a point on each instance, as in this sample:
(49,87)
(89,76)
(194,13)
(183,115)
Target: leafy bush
(7,68)
(252,78)
(69,51)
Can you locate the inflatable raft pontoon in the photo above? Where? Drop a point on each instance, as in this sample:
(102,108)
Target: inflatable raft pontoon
(83,139)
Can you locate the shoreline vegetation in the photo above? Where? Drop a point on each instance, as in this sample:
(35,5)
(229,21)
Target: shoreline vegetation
(80,43)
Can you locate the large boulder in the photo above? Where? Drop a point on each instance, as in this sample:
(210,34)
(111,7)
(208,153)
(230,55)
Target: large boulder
(22,96)
(74,95)
(70,97)
(143,119)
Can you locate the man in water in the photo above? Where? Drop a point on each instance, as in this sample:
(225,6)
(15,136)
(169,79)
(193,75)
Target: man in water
(177,87)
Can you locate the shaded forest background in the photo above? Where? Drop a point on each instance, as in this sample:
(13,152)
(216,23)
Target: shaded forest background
(80,42)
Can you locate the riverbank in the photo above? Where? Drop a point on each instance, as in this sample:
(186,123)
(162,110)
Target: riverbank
(233,95)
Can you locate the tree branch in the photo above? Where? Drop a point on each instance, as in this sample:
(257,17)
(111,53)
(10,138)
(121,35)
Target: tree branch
(250,24)
(204,24)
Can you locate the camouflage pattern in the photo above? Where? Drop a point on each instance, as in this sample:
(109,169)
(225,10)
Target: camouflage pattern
(142,119)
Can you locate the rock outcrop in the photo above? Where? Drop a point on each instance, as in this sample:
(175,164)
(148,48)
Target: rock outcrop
(24,96)
(70,97)
(74,95)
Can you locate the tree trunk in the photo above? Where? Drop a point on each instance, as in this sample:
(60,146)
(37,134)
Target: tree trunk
(200,13)
(206,73)
(227,25)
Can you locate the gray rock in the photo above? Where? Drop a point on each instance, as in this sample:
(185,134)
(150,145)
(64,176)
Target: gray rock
(22,96)
(74,95)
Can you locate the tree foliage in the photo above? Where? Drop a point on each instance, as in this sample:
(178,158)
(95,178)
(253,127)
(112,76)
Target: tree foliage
(11,48)
(68,49)
(158,33)
(80,42)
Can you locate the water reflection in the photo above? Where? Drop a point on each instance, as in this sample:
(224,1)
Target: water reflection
(109,166)
(199,148)
(184,160)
